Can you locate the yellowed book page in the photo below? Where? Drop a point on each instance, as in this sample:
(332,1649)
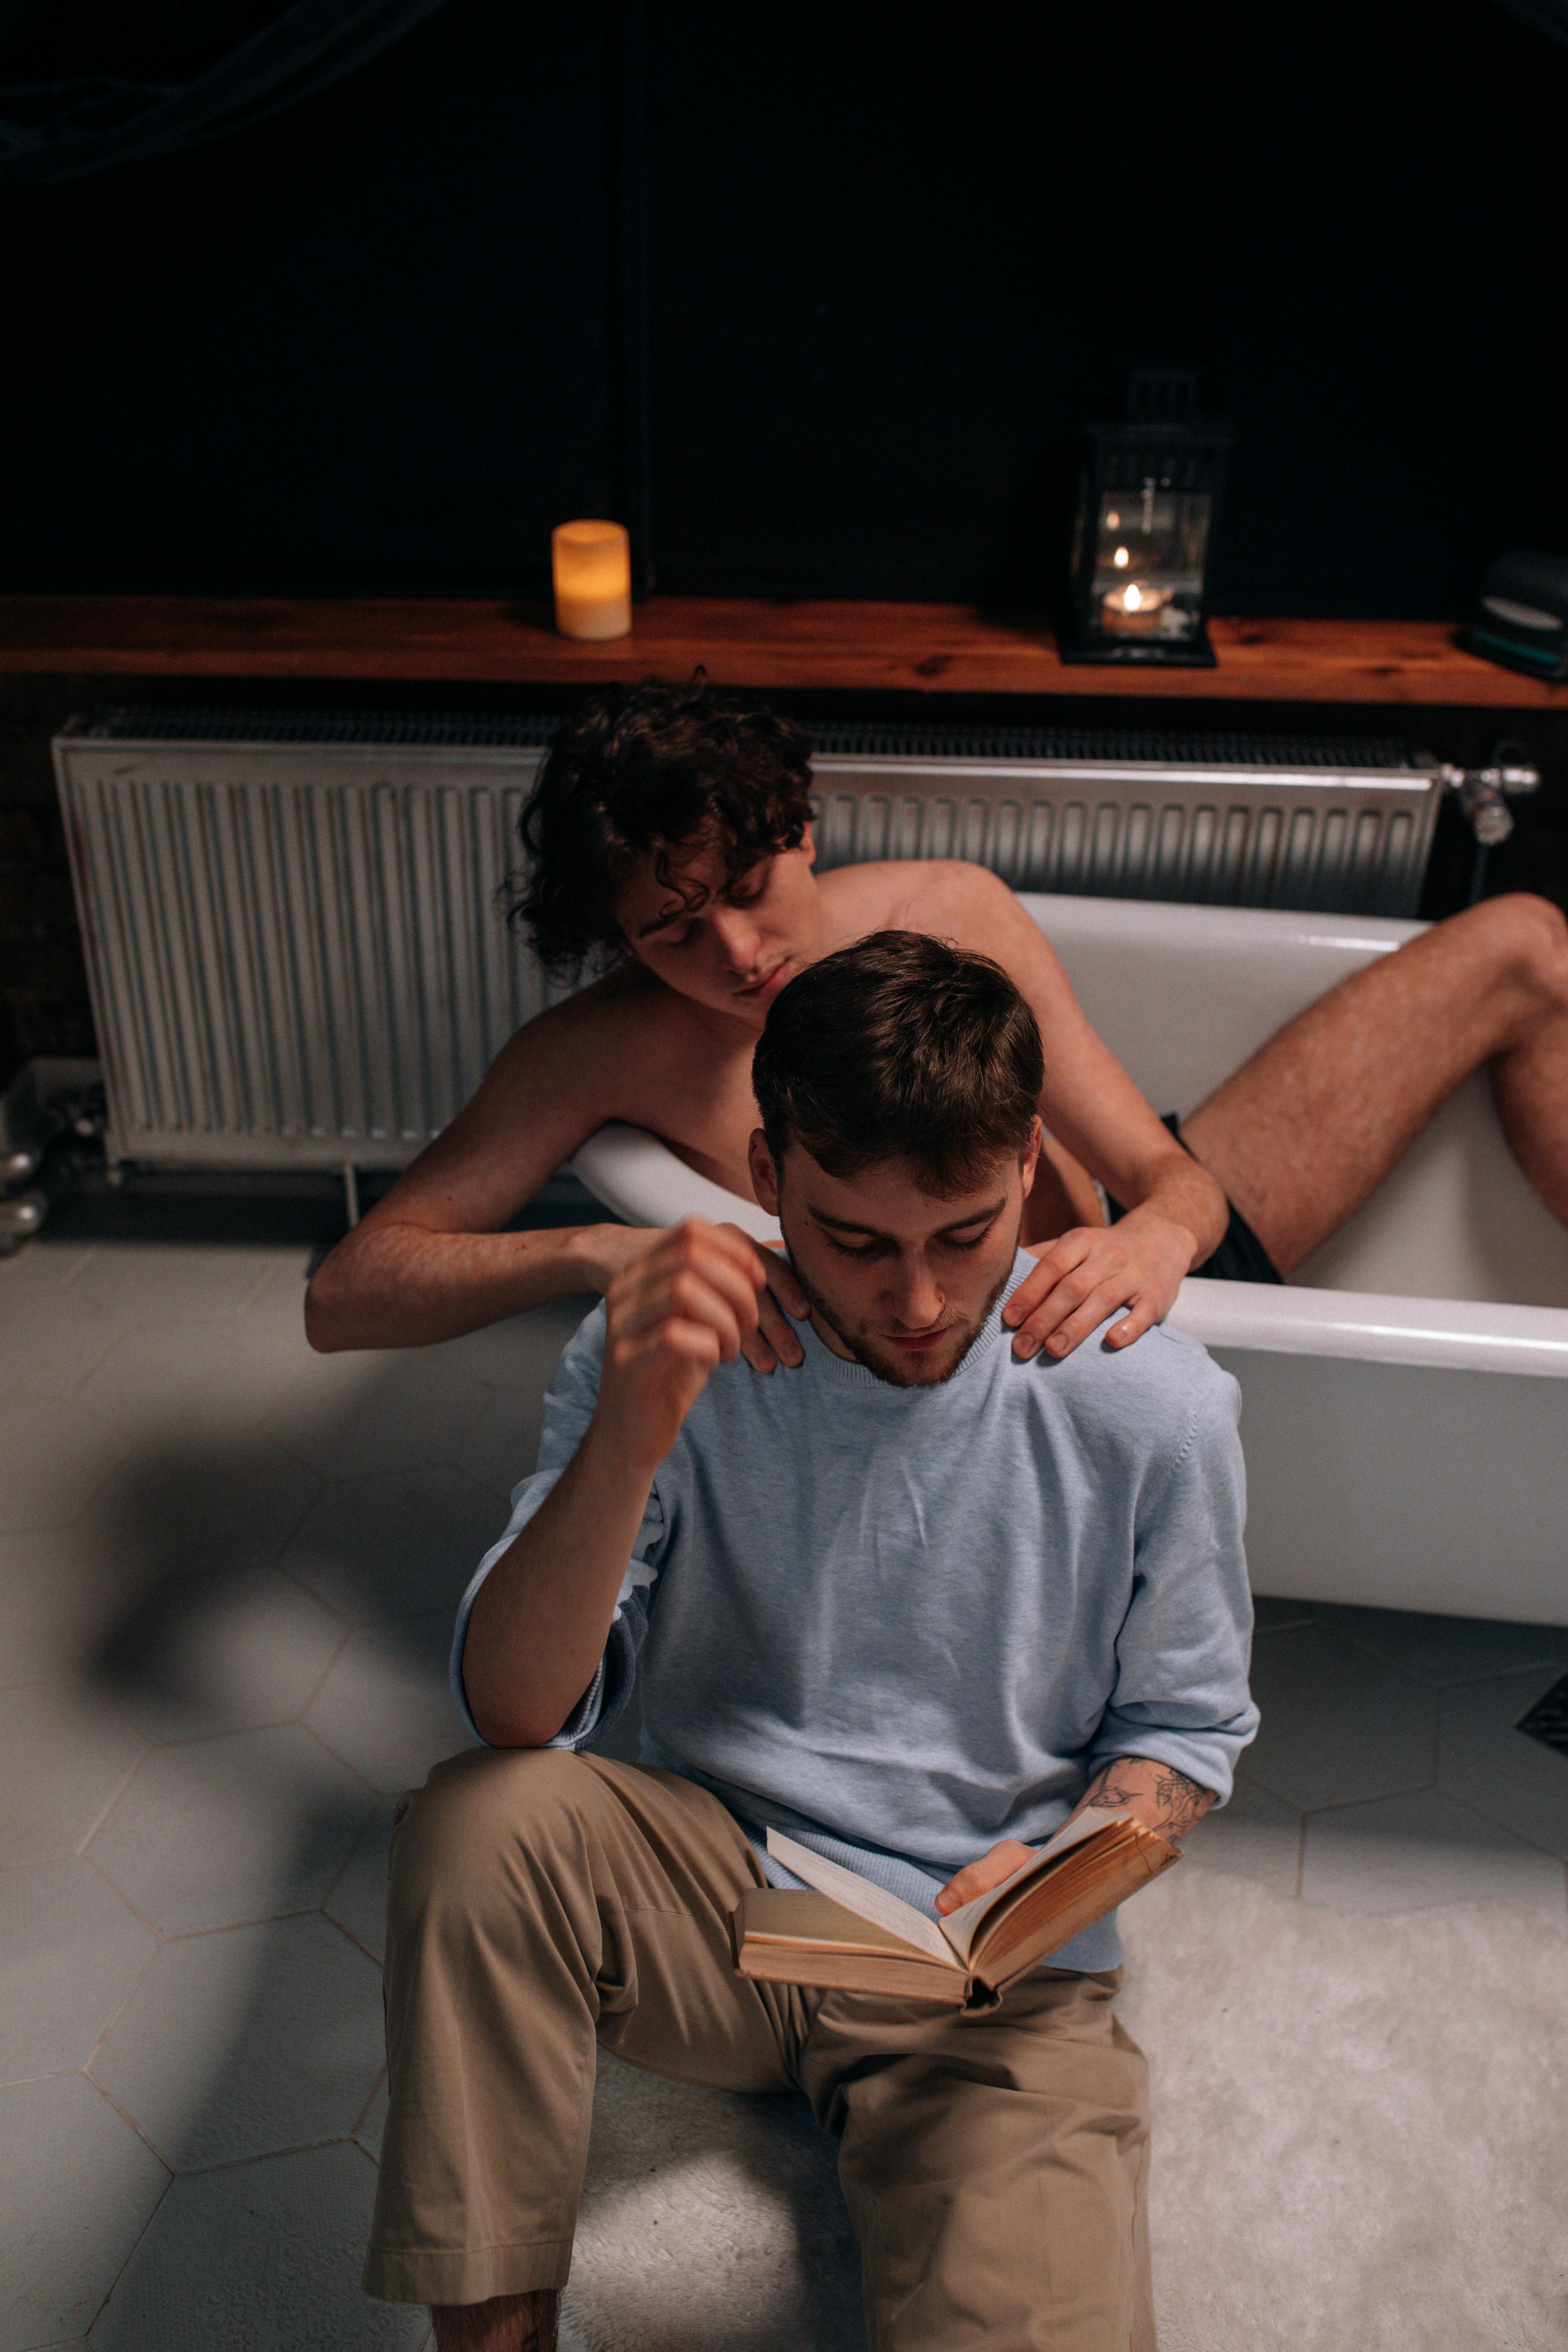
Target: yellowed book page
(913,1978)
(778,1914)
(964,1927)
(858,1895)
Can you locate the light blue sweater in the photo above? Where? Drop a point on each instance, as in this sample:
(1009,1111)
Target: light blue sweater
(903,1624)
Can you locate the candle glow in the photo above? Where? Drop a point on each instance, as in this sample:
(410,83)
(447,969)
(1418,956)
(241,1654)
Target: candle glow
(1133,609)
(591,563)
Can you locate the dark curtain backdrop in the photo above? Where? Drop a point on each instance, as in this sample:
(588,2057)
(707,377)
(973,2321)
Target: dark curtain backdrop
(815,305)
(89,84)
(1548,16)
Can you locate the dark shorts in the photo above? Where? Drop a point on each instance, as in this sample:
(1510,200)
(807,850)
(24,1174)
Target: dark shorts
(1241,1257)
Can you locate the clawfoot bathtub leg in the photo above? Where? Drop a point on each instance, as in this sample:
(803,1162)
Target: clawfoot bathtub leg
(1314,1122)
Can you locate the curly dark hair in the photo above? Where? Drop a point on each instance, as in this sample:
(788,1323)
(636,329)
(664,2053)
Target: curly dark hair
(644,769)
(900,1048)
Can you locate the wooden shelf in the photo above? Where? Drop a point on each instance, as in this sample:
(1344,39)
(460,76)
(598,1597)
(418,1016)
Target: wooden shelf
(932,649)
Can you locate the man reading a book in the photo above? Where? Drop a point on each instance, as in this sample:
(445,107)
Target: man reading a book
(913,1607)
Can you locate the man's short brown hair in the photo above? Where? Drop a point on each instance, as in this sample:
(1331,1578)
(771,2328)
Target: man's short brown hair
(900,1048)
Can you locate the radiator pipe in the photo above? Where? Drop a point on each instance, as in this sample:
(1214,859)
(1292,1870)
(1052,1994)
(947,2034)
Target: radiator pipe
(1483,794)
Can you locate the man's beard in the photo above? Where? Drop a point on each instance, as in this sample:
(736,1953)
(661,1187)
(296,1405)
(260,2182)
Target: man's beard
(899,1370)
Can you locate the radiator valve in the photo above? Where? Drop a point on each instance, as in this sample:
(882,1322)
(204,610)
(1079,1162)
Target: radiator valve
(1484,793)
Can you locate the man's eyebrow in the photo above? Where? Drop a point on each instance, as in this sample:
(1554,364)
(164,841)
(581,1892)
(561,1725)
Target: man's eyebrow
(959,1224)
(663,922)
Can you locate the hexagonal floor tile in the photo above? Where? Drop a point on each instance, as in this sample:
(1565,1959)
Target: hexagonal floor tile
(363,1416)
(192,1499)
(51,1585)
(1410,1852)
(257,2256)
(246,1826)
(358,1901)
(524,1352)
(221,1652)
(386,1707)
(150,1283)
(63,1757)
(373,2123)
(55,1459)
(177,1375)
(1255,1836)
(71,2213)
(1448,1649)
(396,1546)
(46,1263)
(1484,1760)
(278,1304)
(1337,1725)
(71,1950)
(247,2042)
(66,1336)
(503,1447)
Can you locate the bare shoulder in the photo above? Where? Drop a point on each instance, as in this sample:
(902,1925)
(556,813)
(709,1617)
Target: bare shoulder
(554,1081)
(951,897)
(967,901)
(597,1052)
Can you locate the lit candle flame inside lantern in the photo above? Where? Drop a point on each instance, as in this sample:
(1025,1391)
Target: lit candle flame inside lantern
(592,565)
(1120,558)
(1133,608)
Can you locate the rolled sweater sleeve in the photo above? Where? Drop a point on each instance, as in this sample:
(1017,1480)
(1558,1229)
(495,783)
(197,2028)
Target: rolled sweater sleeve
(569,1404)
(1182,1653)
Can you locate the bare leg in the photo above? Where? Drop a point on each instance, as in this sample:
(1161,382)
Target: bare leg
(1313,1124)
(508,2323)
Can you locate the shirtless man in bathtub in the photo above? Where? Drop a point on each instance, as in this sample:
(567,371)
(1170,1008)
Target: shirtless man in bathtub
(673,831)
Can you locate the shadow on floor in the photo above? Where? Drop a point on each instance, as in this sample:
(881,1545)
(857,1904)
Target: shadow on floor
(291,1669)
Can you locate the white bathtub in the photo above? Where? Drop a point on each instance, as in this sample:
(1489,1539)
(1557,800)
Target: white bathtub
(1405,1406)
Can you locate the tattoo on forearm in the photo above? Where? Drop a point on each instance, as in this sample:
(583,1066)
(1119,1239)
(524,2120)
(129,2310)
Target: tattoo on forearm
(1106,1794)
(1178,1802)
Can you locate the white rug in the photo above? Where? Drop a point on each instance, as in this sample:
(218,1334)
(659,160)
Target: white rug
(1361,2144)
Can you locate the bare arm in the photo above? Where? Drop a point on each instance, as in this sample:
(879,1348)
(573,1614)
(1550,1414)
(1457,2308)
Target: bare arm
(1156,1794)
(1178,1212)
(430,1262)
(543,1615)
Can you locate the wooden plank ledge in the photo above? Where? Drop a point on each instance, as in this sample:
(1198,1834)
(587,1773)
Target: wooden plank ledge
(932,650)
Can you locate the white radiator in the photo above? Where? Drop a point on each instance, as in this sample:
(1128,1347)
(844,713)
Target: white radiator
(293,920)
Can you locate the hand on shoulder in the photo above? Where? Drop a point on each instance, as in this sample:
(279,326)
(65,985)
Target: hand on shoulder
(1084,1275)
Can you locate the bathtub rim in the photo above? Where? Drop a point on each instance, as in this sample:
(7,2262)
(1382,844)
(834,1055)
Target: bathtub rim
(639,1178)
(1453,1335)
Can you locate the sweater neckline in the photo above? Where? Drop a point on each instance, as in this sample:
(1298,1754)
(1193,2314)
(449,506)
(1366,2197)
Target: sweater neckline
(856,1375)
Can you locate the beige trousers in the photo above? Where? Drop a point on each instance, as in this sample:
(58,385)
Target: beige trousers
(543,1904)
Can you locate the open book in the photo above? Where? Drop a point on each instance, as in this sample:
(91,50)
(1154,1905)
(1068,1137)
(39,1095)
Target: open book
(851,1934)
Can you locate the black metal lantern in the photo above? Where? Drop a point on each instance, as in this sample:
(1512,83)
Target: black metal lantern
(1146,508)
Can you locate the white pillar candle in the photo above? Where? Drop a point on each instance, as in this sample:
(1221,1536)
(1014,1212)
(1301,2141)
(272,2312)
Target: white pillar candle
(592,564)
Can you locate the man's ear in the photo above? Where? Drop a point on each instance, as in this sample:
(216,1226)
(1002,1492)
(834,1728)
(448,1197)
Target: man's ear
(1031,1158)
(808,844)
(764,1175)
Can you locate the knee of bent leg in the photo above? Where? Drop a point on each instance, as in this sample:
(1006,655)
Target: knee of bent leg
(1533,939)
(480,1819)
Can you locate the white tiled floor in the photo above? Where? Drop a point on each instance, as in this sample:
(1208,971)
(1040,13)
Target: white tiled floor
(228,1573)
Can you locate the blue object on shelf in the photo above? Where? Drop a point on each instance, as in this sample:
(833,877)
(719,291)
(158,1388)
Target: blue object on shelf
(1521,618)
